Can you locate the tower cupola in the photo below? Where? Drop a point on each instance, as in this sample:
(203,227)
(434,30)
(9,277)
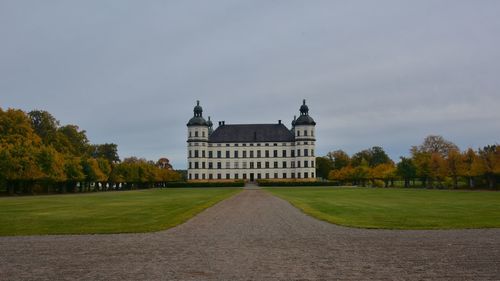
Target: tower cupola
(197,119)
(304,118)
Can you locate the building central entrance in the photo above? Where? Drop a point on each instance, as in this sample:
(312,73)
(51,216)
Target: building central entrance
(252,178)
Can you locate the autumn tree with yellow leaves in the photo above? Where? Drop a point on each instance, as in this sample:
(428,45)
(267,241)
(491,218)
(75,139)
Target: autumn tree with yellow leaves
(37,154)
(436,163)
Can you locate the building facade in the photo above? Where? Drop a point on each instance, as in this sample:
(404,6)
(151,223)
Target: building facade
(251,151)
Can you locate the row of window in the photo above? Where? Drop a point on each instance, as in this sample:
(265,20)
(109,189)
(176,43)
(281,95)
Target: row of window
(197,135)
(249,154)
(297,133)
(249,144)
(236,176)
(251,165)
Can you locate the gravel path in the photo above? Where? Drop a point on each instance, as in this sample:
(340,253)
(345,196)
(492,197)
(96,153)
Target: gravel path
(255,236)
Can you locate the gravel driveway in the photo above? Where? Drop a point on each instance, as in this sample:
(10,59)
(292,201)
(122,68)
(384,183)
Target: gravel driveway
(255,236)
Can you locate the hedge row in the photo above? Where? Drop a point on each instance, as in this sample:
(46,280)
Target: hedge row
(296,183)
(206,184)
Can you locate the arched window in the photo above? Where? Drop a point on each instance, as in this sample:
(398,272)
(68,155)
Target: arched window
(298,133)
(305,132)
(203,134)
(196,134)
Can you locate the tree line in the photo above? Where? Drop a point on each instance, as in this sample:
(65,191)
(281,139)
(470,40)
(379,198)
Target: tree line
(436,163)
(38,155)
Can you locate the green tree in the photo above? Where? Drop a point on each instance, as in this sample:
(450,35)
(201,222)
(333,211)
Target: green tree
(323,167)
(339,159)
(456,166)
(92,172)
(361,173)
(378,157)
(74,172)
(472,166)
(130,172)
(490,158)
(422,162)
(406,170)
(44,124)
(107,151)
(51,163)
(72,141)
(105,167)
(373,156)
(117,175)
(362,156)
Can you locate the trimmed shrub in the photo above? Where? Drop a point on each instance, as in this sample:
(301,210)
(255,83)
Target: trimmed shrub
(206,184)
(296,183)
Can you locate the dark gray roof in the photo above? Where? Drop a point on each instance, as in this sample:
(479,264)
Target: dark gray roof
(252,133)
(305,120)
(197,121)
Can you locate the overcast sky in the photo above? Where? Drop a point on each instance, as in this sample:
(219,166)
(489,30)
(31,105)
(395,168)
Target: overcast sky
(384,73)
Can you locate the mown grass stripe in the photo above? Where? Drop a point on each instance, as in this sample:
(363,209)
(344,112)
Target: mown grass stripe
(394,208)
(110,212)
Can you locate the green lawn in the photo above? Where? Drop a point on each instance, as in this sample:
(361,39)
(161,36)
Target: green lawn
(106,212)
(397,208)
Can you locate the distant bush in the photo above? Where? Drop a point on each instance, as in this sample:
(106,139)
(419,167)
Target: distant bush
(206,184)
(296,183)
(378,183)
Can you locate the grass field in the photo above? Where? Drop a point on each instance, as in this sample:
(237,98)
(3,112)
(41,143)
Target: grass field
(105,212)
(397,208)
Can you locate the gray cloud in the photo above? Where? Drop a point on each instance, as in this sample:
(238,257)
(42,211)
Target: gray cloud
(374,72)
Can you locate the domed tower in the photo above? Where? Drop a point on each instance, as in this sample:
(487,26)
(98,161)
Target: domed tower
(198,129)
(304,130)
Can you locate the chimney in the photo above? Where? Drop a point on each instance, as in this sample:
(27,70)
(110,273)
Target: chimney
(223,123)
(220,123)
(279,122)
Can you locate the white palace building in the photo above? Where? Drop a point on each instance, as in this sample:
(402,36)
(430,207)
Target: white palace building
(251,151)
